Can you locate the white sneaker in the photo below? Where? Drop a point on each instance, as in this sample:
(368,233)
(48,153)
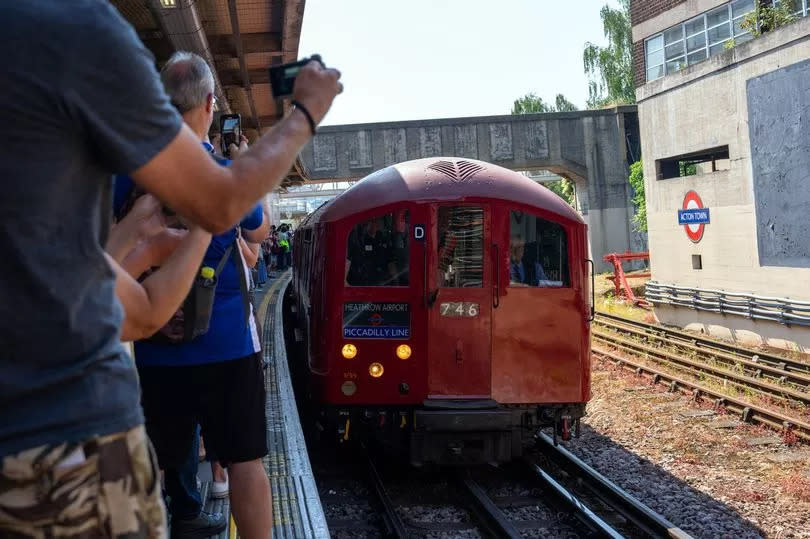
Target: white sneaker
(220,489)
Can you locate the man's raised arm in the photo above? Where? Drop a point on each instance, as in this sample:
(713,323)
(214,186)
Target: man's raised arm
(216,197)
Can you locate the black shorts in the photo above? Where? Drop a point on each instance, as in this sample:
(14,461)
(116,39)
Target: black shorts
(227,399)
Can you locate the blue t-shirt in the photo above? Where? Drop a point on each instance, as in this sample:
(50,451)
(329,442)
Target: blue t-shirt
(229,335)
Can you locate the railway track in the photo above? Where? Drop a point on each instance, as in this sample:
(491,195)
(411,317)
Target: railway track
(770,376)
(524,499)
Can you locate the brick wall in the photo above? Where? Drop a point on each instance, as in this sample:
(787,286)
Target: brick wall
(640,11)
(638,64)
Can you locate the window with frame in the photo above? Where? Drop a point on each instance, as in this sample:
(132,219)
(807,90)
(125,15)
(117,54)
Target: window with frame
(377,251)
(707,34)
(460,247)
(538,252)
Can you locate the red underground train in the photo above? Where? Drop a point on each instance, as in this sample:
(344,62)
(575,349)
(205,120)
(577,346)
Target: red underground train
(445,306)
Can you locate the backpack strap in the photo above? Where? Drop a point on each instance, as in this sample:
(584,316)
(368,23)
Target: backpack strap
(243,286)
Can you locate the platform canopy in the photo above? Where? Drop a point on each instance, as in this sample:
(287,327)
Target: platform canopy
(240,39)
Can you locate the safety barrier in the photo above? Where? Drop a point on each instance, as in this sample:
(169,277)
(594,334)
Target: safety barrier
(782,310)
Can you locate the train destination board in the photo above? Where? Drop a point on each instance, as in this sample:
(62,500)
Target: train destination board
(376,320)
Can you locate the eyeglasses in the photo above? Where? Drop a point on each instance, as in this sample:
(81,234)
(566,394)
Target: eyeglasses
(215,102)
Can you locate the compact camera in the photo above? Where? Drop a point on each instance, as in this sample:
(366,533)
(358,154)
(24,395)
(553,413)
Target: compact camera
(282,77)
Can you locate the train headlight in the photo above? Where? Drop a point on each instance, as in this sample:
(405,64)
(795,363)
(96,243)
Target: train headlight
(375,370)
(403,351)
(349,351)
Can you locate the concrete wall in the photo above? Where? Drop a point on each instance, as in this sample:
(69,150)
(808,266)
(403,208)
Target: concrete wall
(709,105)
(589,147)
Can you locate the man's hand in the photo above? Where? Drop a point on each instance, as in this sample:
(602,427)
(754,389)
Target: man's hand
(242,148)
(147,217)
(316,88)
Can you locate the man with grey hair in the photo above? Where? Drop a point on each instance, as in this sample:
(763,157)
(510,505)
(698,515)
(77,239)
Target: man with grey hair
(215,379)
(86,103)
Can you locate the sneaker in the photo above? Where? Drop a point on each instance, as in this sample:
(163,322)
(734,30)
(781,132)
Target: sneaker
(220,489)
(203,525)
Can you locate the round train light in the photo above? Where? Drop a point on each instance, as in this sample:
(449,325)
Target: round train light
(349,351)
(403,351)
(375,370)
(348,388)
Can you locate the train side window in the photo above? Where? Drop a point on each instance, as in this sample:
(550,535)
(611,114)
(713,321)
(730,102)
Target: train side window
(461,247)
(377,251)
(538,252)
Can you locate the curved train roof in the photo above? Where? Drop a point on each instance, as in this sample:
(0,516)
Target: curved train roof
(438,179)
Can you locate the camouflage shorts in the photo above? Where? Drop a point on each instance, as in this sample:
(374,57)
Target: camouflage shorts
(106,487)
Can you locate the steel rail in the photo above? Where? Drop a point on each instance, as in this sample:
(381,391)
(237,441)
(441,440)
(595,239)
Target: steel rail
(636,512)
(749,411)
(396,527)
(706,344)
(736,379)
(489,516)
(582,512)
(760,368)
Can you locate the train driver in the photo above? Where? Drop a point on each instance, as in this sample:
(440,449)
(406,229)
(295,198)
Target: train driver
(518,275)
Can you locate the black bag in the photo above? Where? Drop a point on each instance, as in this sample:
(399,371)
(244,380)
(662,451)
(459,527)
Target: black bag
(193,318)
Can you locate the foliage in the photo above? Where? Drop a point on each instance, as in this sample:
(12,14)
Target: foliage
(687,168)
(636,180)
(610,69)
(563,188)
(767,17)
(531,103)
(563,105)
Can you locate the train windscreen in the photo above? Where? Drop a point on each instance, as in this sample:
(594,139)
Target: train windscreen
(377,251)
(538,252)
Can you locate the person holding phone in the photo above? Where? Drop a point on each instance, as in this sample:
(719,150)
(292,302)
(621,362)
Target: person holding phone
(86,103)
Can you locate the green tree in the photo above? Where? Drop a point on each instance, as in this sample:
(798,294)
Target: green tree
(610,69)
(636,180)
(531,103)
(563,105)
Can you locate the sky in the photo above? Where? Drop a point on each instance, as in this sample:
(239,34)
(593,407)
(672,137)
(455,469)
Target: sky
(419,59)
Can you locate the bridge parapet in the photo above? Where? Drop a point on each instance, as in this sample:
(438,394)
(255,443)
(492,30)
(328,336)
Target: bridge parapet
(594,148)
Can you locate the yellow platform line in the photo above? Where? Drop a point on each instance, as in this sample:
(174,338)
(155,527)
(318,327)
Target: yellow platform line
(232,531)
(266,301)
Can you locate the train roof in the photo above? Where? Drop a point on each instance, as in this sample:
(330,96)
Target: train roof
(438,179)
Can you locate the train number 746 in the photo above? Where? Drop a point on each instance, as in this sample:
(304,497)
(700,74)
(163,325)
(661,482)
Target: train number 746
(459,309)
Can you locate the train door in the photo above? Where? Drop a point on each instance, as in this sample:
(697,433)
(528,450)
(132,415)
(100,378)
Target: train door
(459,301)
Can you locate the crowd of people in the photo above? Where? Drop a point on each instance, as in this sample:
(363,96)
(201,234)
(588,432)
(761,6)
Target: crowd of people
(97,433)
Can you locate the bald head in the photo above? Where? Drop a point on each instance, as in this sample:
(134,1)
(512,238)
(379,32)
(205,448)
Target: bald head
(188,80)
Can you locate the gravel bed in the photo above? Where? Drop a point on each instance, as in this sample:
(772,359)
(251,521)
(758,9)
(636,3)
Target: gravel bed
(712,482)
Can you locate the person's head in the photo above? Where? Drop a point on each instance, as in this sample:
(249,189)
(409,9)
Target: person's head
(516,247)
(189,82)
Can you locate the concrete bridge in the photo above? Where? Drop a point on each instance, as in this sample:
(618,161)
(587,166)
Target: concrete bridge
(592,148)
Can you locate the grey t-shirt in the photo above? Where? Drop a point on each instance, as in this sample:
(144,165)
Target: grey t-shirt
(80,100)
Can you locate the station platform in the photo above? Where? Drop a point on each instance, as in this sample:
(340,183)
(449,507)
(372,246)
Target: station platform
(297,510)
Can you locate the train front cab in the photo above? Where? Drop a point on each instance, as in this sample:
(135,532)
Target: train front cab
(494,293)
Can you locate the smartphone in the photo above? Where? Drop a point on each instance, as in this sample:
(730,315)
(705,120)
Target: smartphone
(230,129)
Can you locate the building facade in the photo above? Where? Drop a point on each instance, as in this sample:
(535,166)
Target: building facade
(725,138)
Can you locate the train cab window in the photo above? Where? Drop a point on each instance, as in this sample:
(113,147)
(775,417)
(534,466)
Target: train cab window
(377,251)
(538,252)
(461,246)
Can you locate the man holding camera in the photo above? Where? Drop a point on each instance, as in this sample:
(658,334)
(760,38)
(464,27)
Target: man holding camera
(215,379)
(85,101)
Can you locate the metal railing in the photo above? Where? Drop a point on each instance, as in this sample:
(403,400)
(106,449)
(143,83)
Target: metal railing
(782,310)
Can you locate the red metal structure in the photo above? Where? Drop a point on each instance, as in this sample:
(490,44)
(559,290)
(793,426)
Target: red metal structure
(446,302)
(620,278)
